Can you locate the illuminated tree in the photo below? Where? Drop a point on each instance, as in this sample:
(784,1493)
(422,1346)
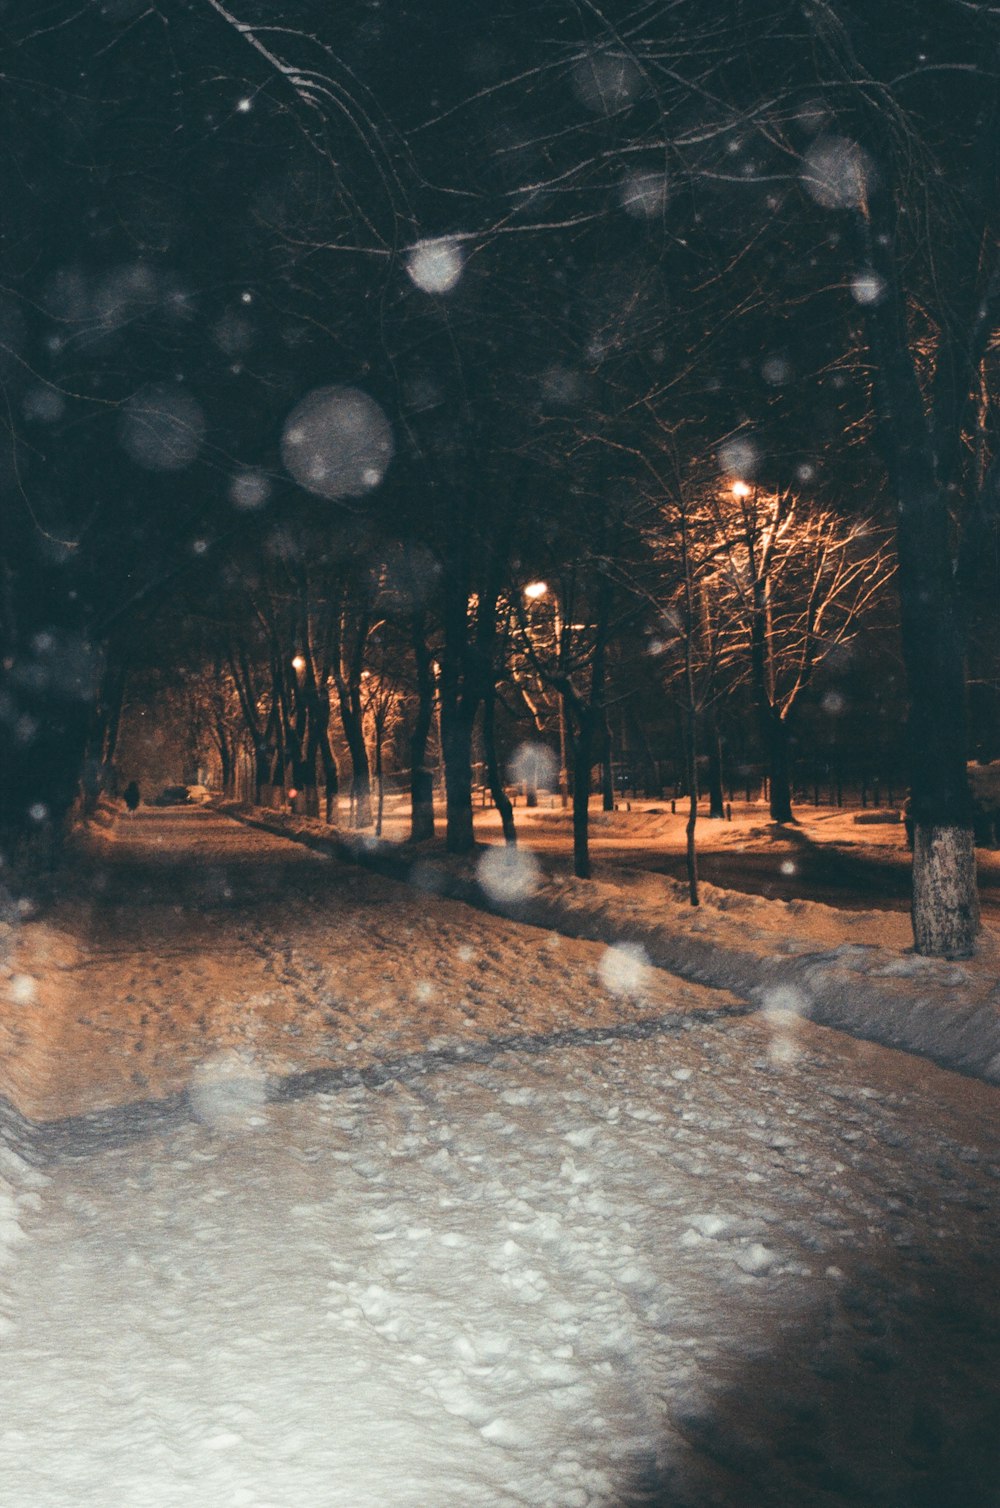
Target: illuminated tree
(792,583)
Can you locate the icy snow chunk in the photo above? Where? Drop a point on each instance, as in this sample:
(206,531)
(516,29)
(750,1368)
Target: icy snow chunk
(837,173)
(226,1440)
(461,1401)
(755,1258)
(11,1232)
(227,1088)
(435,266)
(533,764)
(635,1275)
(507,874)
(503,1432)
(337,442)
(520,1095)
(710,1225)
(162,428)
(624,968)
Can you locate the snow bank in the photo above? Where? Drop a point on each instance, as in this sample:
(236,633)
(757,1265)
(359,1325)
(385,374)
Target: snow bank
(855,971)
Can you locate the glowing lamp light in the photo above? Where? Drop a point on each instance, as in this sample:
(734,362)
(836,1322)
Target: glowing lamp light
(299,663)
(535,589)
(741,489)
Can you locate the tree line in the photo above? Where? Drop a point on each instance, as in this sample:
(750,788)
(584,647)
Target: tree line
(578,258)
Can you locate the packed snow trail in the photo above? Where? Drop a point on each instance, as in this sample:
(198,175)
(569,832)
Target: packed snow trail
(197,948)
(710,1269)
(559,1231)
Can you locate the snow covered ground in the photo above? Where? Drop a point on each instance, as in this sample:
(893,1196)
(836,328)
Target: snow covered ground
(853,969)
(369,1198)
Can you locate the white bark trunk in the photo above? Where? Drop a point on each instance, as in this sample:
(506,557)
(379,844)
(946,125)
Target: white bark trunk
(945,898)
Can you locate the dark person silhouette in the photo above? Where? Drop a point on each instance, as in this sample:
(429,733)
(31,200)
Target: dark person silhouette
(131,794)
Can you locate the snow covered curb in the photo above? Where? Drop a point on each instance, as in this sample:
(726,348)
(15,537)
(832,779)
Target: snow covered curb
(789,959)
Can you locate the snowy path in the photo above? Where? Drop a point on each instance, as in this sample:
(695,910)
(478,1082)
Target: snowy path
(553,1236)
(684,1271)
(204,946)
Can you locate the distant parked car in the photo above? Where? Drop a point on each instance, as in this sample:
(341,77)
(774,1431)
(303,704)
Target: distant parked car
(172,795)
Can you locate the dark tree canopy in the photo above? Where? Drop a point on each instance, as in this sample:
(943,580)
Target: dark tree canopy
(530,238)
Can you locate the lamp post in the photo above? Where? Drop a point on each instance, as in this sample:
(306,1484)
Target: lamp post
(534,591)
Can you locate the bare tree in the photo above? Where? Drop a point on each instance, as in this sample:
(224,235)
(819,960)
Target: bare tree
(793,581)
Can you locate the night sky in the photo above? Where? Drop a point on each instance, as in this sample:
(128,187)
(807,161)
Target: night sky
(210,213)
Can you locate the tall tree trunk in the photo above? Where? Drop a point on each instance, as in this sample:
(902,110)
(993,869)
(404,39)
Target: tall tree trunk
(102,735)
(351,719)
(779,770)
(459,703)
(690,827)
(945,912)
(361,783)
(421,778)
(456,742)
(379,780)
(350,626)
(263,754)
(239,665)
(497,790)
(565,781)
(591,716)
(654,775)
(945,905)
(716,792)
(225,757)
(607,769)
(331,779)
(583,759)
